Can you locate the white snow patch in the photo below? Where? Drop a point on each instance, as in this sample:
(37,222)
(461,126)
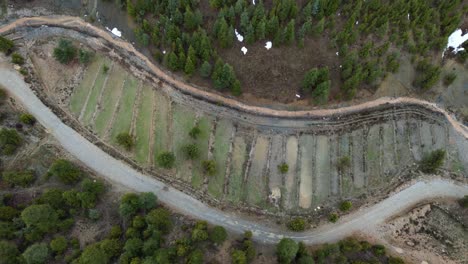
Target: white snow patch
(357,22)
(455,40)
(408,17)
(253,2)
(337,53)
(298,96)
(115,31)
(341,66)
(164,52)
(244,50)
(268,45)
(240,38)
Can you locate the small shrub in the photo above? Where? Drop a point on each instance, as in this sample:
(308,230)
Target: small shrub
(297,224)
(449,78)
(36,254)
(16,58)
(65,171)
(10,140)
(343,163)
(395,260)
(464,201)
(378,250)
(218,235)
(84,56)
(283,168)
(105,69)
(6,45)
(18,178)
(191,151)
(27,119)
(65,52)
(23,71)
(333,217)
(195,132)
(209,167)
(94,214)
(433,161)
(3,94)
(125,140)
(345,206)
(166,160)
(58,245)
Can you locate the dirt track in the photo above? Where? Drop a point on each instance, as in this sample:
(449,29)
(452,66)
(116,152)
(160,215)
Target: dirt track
(80,25)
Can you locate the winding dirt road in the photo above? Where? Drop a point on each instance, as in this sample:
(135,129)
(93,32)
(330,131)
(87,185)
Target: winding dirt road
(364,220)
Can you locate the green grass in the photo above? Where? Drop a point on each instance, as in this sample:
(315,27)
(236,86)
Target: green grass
(161,137)
(239,156)
(256,187)
(123,118)
(109,100)
(183,121)
(81,92)
(223,133)
(94,98)
(202,141)
(143,125)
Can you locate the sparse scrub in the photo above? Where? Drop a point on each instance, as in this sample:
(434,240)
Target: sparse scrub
(125,140)
(105,68)
(166,160)
(84,56)
(16,58)
(449,78)
(18,178)
(27,119)
(10,140)
(209,167)
(432,161)
(343,163)
(345,206)
(427,75)
(65,52)
(65,171)
(283,168)
(464,201)
(6,45)
(195,132)
(191,151)
(297,224)
(333,217)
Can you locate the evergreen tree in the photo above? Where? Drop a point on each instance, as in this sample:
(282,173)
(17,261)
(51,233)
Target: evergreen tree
(250,35)
(260,29)
(289,34)
(173,61)
(182,60)
(189,67)
(205,69)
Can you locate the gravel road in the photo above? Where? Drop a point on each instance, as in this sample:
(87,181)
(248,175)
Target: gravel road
(118,172)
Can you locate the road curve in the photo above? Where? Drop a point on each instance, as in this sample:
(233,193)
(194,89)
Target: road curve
(78,24)
(119,172)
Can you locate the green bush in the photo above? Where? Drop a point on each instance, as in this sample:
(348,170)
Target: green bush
(8,252)
(333,217)
(94,214)
(16,58)
(65,171)
(427,75)
(209,167)
(464,201)
(6,45)
(297,224)
(27,119)
(65,52)
(343,163)
(105,69)
(218,235)
(93,254)
(125,140)
(84,56)
(148,200)
(449,78)
(191,151)
(129,205)
(432,161)
(286,250)
(18,178)
(115,232)
(160,219)
(378,250)
(10,140)
(40,216)
(238,257)
(283,168)
(345,206)
(7,213)
(166,160)
(112,247)
(195,132)
(58,245)
(36,254)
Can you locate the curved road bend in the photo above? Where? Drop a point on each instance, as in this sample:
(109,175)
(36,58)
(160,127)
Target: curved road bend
(119,172)
(76,23)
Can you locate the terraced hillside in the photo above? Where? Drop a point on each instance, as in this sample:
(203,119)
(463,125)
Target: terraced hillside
(328,160)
